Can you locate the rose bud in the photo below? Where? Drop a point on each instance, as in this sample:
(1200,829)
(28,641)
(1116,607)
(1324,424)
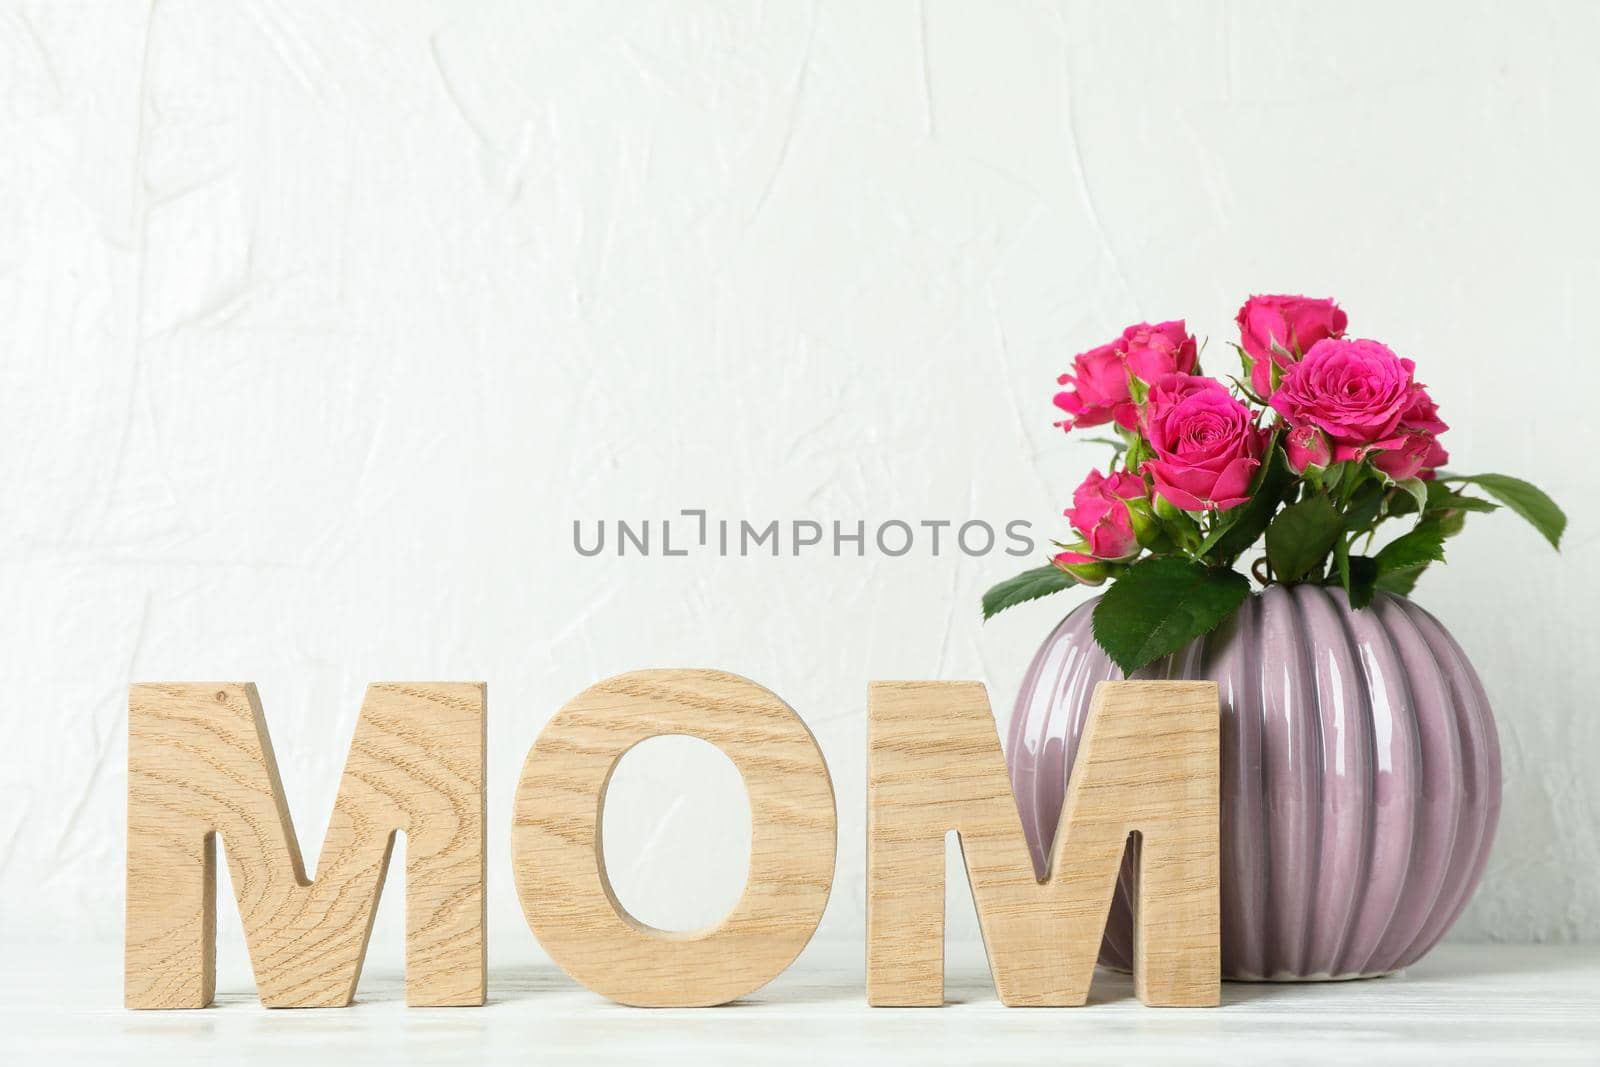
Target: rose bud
(1307,448)
(1408,458)
(1270,326)
(1098,514)
(1086,569)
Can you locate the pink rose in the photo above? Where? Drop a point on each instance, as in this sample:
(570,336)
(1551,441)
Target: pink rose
(1436,458)
(1099,514)
(1152,352)
(1356,392)
(1293,323)
(1422,414)
(1306,447)
(1098,384)
(1207,444)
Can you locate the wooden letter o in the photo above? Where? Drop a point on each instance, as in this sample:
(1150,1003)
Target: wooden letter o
(560,870)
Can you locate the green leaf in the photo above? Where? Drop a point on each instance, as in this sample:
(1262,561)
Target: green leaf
(1136,454)
(1363,509)
(1418,548)
(1441,498)
(1417,488)
(1356,574)
(1245,359)
(1162,544)
(1029,585)
(1400,582)
(1160,605)
(1253,516)
(1360,580)
(1399,505)
(1401,562)
(1223,522)
(1524,498)
(1301,536)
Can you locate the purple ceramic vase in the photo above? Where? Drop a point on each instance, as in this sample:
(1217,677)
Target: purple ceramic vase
(1360,777)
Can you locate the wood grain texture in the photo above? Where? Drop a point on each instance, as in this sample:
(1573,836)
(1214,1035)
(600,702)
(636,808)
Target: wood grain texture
(1148,765)
(560,868)
(200,763)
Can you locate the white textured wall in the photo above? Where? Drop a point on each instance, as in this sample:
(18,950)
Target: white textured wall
(319,322)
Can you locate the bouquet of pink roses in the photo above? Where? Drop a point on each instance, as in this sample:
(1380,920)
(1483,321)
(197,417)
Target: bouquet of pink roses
(1322,440)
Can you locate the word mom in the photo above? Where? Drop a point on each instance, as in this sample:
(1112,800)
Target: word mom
(200,764)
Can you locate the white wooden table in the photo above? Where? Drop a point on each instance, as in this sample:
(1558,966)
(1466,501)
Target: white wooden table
(1464,1004)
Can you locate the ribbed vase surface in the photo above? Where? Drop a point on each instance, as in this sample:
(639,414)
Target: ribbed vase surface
(1360,777)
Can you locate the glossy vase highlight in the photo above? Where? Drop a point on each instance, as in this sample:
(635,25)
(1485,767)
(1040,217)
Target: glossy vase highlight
(1360,777)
